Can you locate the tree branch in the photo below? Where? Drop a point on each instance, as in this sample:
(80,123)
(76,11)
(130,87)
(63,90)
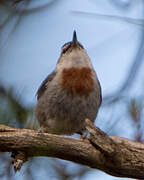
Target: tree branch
(114,155)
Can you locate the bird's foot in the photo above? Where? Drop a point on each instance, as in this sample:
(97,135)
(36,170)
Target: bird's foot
(40,130)
(83,134)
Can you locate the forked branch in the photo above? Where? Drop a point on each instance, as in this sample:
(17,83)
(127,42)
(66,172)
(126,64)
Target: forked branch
(114,155)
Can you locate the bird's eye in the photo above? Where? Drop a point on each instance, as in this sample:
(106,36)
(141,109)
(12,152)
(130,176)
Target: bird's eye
(81,46)
(65,47)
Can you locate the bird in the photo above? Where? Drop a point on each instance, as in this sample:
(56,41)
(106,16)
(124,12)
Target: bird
(70,94)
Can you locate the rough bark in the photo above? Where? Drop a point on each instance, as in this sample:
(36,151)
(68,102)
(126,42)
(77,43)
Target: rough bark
(116,156)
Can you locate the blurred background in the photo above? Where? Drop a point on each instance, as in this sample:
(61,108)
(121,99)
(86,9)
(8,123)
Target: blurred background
(32,33)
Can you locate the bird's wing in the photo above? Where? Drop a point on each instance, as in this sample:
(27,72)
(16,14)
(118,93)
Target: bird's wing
(100,93)
(44,84)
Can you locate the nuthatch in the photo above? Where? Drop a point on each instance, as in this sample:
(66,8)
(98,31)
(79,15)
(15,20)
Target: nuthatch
(70,94)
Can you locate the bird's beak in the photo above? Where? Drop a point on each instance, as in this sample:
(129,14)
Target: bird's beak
(74,41)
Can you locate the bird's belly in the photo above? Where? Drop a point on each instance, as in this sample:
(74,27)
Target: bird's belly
(64,113)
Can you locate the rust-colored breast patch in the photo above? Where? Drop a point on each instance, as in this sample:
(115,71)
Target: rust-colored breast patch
(78,80)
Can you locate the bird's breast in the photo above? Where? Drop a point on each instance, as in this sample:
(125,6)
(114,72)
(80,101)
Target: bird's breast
(78,81)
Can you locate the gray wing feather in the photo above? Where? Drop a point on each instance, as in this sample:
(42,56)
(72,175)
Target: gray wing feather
(100,93)
(44,84)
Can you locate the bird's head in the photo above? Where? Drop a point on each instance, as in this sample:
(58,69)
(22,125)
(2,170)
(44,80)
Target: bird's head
(73,54)
(72,45)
